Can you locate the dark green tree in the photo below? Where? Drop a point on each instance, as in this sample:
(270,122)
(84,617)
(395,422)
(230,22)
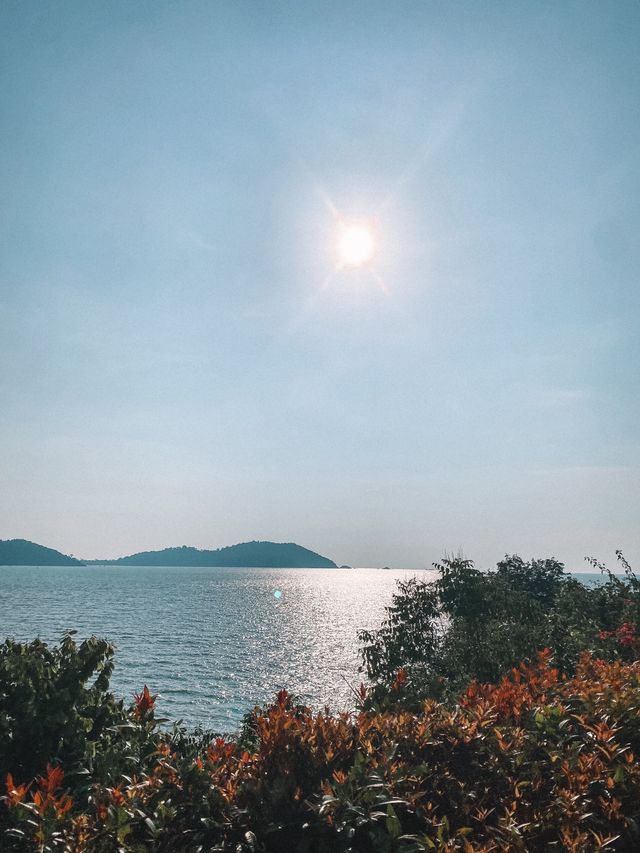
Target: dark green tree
(468,624)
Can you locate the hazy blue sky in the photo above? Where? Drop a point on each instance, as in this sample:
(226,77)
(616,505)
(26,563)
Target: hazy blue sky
(180,361)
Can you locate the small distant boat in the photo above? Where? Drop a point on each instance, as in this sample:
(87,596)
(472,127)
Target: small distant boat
(386,568)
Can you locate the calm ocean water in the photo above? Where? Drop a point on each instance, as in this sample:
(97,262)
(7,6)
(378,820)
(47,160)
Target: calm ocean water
(211,642)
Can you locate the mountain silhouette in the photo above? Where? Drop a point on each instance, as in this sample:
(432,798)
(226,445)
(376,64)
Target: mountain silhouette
(249,554)
(21,552)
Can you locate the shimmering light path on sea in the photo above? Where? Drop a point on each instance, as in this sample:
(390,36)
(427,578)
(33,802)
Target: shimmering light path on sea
(212,642)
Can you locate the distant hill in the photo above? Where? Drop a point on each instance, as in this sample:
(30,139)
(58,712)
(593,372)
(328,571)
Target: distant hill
(250,554)
(21,552)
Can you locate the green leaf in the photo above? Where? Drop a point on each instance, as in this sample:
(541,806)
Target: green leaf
(394,827)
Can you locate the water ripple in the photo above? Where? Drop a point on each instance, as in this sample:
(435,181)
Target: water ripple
(211,642)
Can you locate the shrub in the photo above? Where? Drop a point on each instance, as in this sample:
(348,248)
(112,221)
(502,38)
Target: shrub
(519,758)
(55,704)
(470,624)
(535,762)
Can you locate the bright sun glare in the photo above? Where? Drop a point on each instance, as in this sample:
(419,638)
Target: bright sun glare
(356,244)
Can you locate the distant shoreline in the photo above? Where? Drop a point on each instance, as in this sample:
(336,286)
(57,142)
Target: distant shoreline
(253,554)
(91,564)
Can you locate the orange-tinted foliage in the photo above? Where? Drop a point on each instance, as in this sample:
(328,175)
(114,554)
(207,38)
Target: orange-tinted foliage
(143,703)
(536,762)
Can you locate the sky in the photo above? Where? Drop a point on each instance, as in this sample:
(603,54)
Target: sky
(182,360)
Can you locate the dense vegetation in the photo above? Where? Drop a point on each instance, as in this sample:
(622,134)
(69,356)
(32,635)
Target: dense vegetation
(21,552)
(469,624)
(537,756)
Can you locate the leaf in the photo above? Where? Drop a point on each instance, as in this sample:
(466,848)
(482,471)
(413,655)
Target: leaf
(394,827)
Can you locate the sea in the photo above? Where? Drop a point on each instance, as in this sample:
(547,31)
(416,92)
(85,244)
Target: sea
(211,642)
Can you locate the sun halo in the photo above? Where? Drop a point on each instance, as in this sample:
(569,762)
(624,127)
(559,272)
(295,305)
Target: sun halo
(356,244)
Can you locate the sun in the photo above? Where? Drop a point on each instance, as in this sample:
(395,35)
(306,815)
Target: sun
(356,244)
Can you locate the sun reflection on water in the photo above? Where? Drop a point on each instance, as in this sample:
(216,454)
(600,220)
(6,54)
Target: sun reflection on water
(203,638)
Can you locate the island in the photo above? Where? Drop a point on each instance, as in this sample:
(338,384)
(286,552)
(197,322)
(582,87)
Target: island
(280,555)
(21,552)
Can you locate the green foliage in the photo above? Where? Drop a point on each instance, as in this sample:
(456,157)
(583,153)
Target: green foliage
(470,624)
(55,704)
(532,760)
(536,762)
